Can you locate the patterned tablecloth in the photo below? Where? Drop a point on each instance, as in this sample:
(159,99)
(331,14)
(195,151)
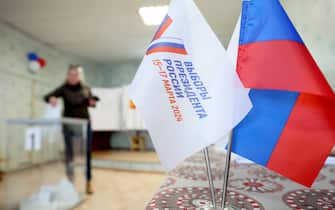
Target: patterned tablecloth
(251,187)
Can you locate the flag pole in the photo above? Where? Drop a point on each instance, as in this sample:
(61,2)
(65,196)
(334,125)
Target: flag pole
(210,177)
(226,174)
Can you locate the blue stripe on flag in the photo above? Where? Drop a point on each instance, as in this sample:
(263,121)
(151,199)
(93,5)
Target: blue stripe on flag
(266,20)
(257,135)
(167,44)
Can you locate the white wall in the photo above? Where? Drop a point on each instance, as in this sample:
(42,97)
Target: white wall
(16,83)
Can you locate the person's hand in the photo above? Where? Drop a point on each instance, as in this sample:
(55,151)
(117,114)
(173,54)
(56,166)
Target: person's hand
(53,101)
(92,102)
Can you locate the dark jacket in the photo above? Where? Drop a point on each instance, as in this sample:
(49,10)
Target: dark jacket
(76,99)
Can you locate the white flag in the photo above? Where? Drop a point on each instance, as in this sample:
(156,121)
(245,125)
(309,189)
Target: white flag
(232,52)
(186,88)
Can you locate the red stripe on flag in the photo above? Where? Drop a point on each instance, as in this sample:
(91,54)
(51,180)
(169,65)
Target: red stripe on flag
(281,65)
(163,28)
(167,49)
(306,140)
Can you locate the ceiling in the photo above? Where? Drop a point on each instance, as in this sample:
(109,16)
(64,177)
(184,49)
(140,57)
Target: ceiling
(103,30)
(112,30)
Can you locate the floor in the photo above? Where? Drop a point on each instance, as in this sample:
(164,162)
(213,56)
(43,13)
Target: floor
(20,185)
(114,189)
(122,190)
(126,156)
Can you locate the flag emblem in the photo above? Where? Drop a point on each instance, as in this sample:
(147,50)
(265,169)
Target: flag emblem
(169,44)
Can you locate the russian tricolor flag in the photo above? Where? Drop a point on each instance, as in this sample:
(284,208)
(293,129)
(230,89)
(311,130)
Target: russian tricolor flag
(291,128)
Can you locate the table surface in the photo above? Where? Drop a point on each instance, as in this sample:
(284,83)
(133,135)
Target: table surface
(251,187)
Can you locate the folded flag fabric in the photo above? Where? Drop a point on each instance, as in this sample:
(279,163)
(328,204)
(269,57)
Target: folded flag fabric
(186,89)
(291,127)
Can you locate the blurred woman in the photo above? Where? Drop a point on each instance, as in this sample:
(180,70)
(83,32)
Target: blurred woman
(77,97)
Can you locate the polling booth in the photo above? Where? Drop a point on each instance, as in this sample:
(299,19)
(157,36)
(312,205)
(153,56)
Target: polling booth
(116,113)
(41,172)
(106,116)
